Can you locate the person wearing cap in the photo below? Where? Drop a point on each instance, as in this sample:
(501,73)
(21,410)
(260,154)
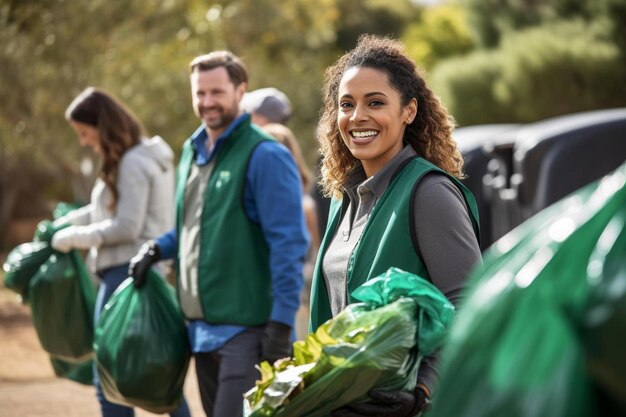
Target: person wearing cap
(240,239)
(267,105)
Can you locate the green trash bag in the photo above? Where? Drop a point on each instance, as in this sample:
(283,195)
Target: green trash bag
(378,342)
(62,299)
(542,331)
(46,229)
(81,372)
(141,346)
(63,208)
(22,264)
(24,261)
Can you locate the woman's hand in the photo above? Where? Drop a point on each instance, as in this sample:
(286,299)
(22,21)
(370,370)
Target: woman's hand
(76,237)
(387,404)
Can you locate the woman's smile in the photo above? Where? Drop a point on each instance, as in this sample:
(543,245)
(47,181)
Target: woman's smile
(363,137)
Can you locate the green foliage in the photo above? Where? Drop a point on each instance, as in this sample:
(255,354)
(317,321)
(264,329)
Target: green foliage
(559,69)
(441,32)
(371,16)
(541,72)
(491,20)
(467,87)
(53,49)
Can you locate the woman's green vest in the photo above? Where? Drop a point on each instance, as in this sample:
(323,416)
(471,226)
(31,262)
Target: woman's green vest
(387,239)
(234,281)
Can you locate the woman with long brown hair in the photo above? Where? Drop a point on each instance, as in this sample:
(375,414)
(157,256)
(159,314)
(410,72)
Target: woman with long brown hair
(131,201)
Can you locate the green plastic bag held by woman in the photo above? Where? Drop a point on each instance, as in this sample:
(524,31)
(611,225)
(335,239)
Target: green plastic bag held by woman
(62,298)
(22,264)
(24,261)
(142,352)
(543,329)
(378,342)
(131,201)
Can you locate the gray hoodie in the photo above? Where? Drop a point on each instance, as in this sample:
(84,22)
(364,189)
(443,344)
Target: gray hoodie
(145,206)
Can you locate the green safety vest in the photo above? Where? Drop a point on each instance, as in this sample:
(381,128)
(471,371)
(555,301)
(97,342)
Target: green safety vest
(387,239)
(234,280)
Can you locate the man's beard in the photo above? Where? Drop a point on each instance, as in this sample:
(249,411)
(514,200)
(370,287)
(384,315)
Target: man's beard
(221,121)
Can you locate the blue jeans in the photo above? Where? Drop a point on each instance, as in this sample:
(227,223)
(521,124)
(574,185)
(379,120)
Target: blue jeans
(110,279)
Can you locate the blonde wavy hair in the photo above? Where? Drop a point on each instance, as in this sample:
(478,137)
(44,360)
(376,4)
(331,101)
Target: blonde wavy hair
(430,133)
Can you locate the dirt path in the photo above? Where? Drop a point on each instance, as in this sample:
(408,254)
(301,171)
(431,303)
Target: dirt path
(28,387)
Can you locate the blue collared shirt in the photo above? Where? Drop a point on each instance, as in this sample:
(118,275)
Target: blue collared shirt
(272,198)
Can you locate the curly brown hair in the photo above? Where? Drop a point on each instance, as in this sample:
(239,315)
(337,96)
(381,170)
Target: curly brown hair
(430,133)
(118,128)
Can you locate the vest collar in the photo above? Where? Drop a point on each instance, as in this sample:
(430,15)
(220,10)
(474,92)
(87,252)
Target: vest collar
(378,183)
(199,138)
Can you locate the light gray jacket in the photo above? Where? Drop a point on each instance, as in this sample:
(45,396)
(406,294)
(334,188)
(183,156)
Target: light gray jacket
(145,206)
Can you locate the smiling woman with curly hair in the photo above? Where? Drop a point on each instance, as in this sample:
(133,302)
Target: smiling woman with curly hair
(393,169)
(430,133)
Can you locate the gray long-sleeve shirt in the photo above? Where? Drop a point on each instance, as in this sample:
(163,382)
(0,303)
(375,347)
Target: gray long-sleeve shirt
(446,240)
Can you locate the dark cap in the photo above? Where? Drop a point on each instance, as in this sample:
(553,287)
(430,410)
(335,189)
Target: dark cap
(270,103)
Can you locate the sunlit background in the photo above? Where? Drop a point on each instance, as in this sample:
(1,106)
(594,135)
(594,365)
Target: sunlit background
(496,61)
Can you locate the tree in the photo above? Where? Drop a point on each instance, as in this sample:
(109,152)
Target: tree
(51,51)
(537,73)
(439,33)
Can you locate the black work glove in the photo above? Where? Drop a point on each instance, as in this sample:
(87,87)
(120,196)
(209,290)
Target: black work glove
(276,342)
(386,404)
(148,254)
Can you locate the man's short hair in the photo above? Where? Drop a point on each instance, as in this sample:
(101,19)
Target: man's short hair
(237,72)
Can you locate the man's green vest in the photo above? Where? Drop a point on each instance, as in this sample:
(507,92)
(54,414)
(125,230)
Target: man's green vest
(387,239)
(234,281)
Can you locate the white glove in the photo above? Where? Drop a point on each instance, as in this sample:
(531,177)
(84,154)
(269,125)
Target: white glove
(76,237)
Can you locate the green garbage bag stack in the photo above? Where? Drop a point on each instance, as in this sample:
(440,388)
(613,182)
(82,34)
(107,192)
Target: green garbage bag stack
(141,345)
(61,296)
(81,372)
(378,342)
(542,331)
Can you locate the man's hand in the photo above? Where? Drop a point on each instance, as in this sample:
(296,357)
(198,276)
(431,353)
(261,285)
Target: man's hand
(148,254)
(276,342)
(386,404)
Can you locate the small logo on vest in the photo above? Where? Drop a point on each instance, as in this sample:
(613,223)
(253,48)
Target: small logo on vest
(222,178)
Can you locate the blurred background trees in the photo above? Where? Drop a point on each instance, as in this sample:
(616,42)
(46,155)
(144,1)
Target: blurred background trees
(490,60)
(535,59)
